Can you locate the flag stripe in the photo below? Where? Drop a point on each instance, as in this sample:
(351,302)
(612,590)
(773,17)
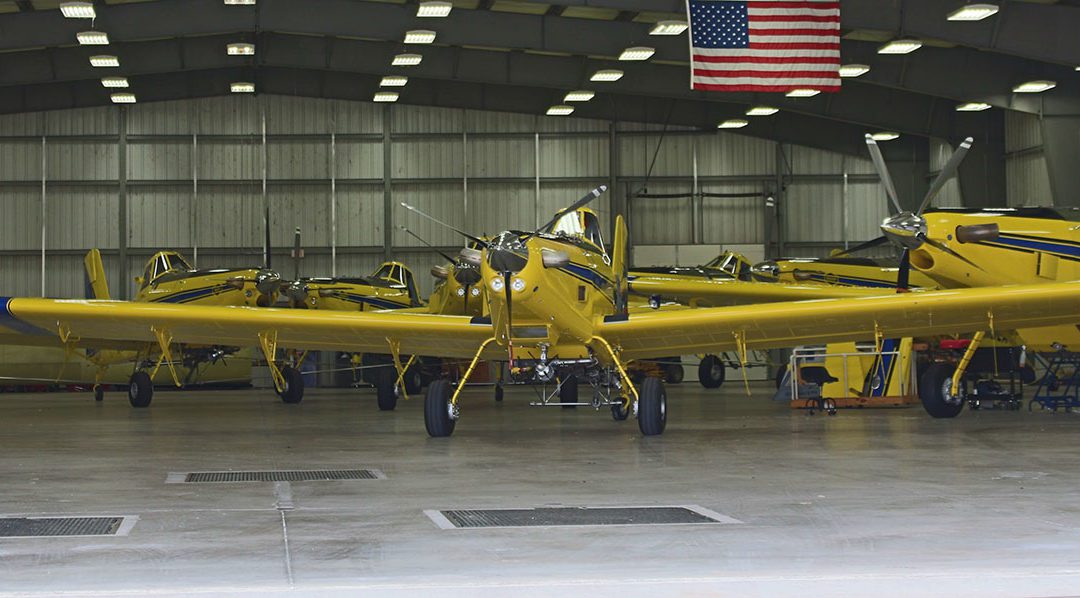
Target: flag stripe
(759,19)
(741,73)
(790,82)
(813,34)
(818,57)
(809,28)
(765,66)
(781,88)
(796,4)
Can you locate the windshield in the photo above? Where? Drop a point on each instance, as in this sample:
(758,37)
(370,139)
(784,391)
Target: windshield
(581,224)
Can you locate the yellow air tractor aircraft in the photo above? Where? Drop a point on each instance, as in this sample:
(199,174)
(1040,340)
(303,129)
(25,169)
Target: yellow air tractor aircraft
(558,312)
(842,269)
(169,279)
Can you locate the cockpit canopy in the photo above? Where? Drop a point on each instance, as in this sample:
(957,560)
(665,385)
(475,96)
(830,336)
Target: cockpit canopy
(581,224)
(163,262)
(399,277)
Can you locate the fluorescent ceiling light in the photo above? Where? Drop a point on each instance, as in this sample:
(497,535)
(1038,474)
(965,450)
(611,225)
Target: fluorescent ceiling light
(637,53)
(884,136)
(239,2)
(240,49)
(1035,87)
(762,111)
(854,70)
(92,38)
(78,10)
(394,81)
(434,9)
(802,93)
(104,61)
(608,75)
(900,46)
(581,95)
(386,96)
(668,28)
(407,60)
(562,110)
(123,98)
(735,123)
(973,12)
(242,87)
(114,82)
(973,107)
(419,36)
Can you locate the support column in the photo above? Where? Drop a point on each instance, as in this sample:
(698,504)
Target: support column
(388,213)
(123,204)
(1061,145)
(614,197)
(44,213)
(779,198)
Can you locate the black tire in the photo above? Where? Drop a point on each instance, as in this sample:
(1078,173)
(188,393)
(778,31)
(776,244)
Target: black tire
(568,392)
(293,392)
(674,373)
(652,407)
(711,372)
(140,390)
(437,410)
(386,388)
(414,381)
(620,411)
(498,393)
(780,373)
(935,391)
(99,393)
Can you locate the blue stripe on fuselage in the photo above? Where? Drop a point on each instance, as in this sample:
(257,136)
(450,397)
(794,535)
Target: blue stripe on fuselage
(195,294)
(1036,245)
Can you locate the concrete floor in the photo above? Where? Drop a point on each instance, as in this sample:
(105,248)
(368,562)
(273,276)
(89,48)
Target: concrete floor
(889,502)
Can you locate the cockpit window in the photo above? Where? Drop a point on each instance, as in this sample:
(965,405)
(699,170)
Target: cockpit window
(385,272)
(177,262)
(582,224)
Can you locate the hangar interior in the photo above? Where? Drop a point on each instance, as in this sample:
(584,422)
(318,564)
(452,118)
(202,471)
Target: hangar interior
(778,502)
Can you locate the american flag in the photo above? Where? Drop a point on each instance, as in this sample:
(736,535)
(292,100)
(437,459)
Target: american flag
(764,45)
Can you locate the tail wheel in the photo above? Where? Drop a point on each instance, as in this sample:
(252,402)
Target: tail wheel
(652,407)
(439,415)
(938,396)
(386,388)
(711,372)
(140,390)
(674,373)
(568,392)
(293,391)
(621,410)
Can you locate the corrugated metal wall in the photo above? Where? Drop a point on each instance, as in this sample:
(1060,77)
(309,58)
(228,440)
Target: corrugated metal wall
(193,178)
(1026,177)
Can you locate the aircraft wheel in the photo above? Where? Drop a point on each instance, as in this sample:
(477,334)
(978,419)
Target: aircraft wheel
(674,373)
(652,407)
(140,390)
(294,385)
(437,410)
(936,392)
(414,382)
(498,393)
(621,410)
(99,393)
(568,392)
(386,388)
(711,372)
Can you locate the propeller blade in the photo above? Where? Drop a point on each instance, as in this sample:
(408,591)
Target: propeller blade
(946,173)
(429,245)
(946,249)
(509,317)
(882,240)
(883,172)
(297,252)
(903,277)
(466,310)
(482,242)
(584,201)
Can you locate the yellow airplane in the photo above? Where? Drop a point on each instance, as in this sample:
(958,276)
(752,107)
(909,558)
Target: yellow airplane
(842,269)
(558,311)
(169,279)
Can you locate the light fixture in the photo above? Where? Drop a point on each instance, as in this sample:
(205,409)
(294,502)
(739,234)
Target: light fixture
(114,82)
(123,98)
(239,2)
(668,28)
(104,61)
(92,38)
(581,95)
(78,10)
(884,136)
(561,110)
(637,53)
(386,96)
(973,12)
(242,87)
(973,107)
(735,123)
(854,70)
(407,60)
(419,36)
(802,93)
(1035,86)
(240,49)
(434,8)
(393,81)
(900,46)
(608,75)
(762,111)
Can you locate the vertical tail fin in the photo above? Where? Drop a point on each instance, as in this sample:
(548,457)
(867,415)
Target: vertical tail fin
(620,264)
(97,287)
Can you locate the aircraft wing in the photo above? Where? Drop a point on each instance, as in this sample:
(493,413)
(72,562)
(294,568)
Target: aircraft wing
(122,324)
(703,292)
(777,325)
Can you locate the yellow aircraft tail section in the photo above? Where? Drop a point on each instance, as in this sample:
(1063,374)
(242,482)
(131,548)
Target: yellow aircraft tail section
(97,287)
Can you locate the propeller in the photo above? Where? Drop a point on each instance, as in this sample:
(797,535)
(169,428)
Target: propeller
(428,245)
(478,240)
(864,246)
(581,203)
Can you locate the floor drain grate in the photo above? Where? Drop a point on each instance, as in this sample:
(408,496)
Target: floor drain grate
(576,516)
(320,475)
(53,527)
